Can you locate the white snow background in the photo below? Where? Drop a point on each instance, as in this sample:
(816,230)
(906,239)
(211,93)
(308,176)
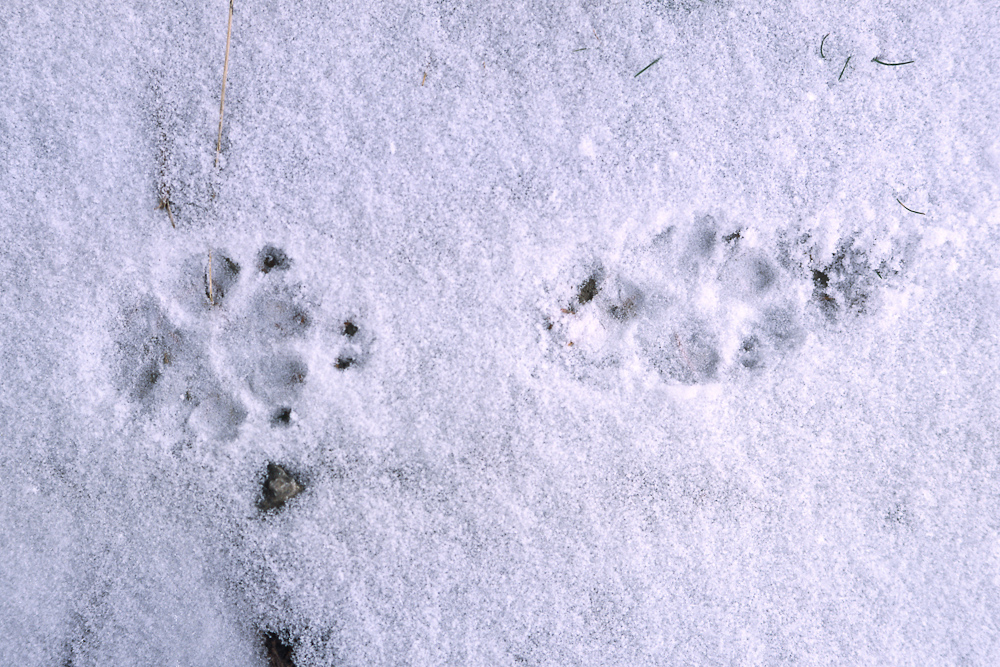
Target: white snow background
(651,368)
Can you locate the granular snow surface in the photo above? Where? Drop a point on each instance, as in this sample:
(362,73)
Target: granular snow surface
(656,333)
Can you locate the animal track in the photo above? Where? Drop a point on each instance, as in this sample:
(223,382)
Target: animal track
(156,359)
(280,378)
(705,303)
(220,277)
(271,258)
(687,355)
(749,354)
(279,654)
(847,281)
(354,347)
(281,417)
(231,351)
(854,277)
(180,187)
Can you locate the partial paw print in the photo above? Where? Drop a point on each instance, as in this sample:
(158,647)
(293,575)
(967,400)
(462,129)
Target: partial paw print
(857,274)
(855,277)
(354,346)
(228,343)
(182,192)
(164,370)
(593,321)
(695,305)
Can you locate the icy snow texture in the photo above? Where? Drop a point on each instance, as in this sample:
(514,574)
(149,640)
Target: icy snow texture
(766,434)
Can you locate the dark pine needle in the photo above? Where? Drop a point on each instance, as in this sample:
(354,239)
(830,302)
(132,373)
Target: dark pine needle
(908,208)
(845,68)
(882,62)
(648,66)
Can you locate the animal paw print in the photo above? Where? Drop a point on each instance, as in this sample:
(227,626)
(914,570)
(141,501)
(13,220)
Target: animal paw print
(695,306)
(224,344)
(855,277)
(709,301)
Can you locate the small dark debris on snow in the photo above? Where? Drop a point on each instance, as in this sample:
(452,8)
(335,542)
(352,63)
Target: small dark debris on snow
(626,304)
(588,290)
(735,236)
(282,417)
(270,258)
(350,329)
(279,488)
(279,654)
(820,279)
(343,363)
(624,311)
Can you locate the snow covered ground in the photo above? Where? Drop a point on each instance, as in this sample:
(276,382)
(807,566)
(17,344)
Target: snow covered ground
(655,333)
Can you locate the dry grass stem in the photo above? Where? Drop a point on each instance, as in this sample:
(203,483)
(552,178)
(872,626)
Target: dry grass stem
(165,203)
(225,72)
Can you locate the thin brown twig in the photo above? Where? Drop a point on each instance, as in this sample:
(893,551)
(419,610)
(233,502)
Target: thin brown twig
(225,72)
